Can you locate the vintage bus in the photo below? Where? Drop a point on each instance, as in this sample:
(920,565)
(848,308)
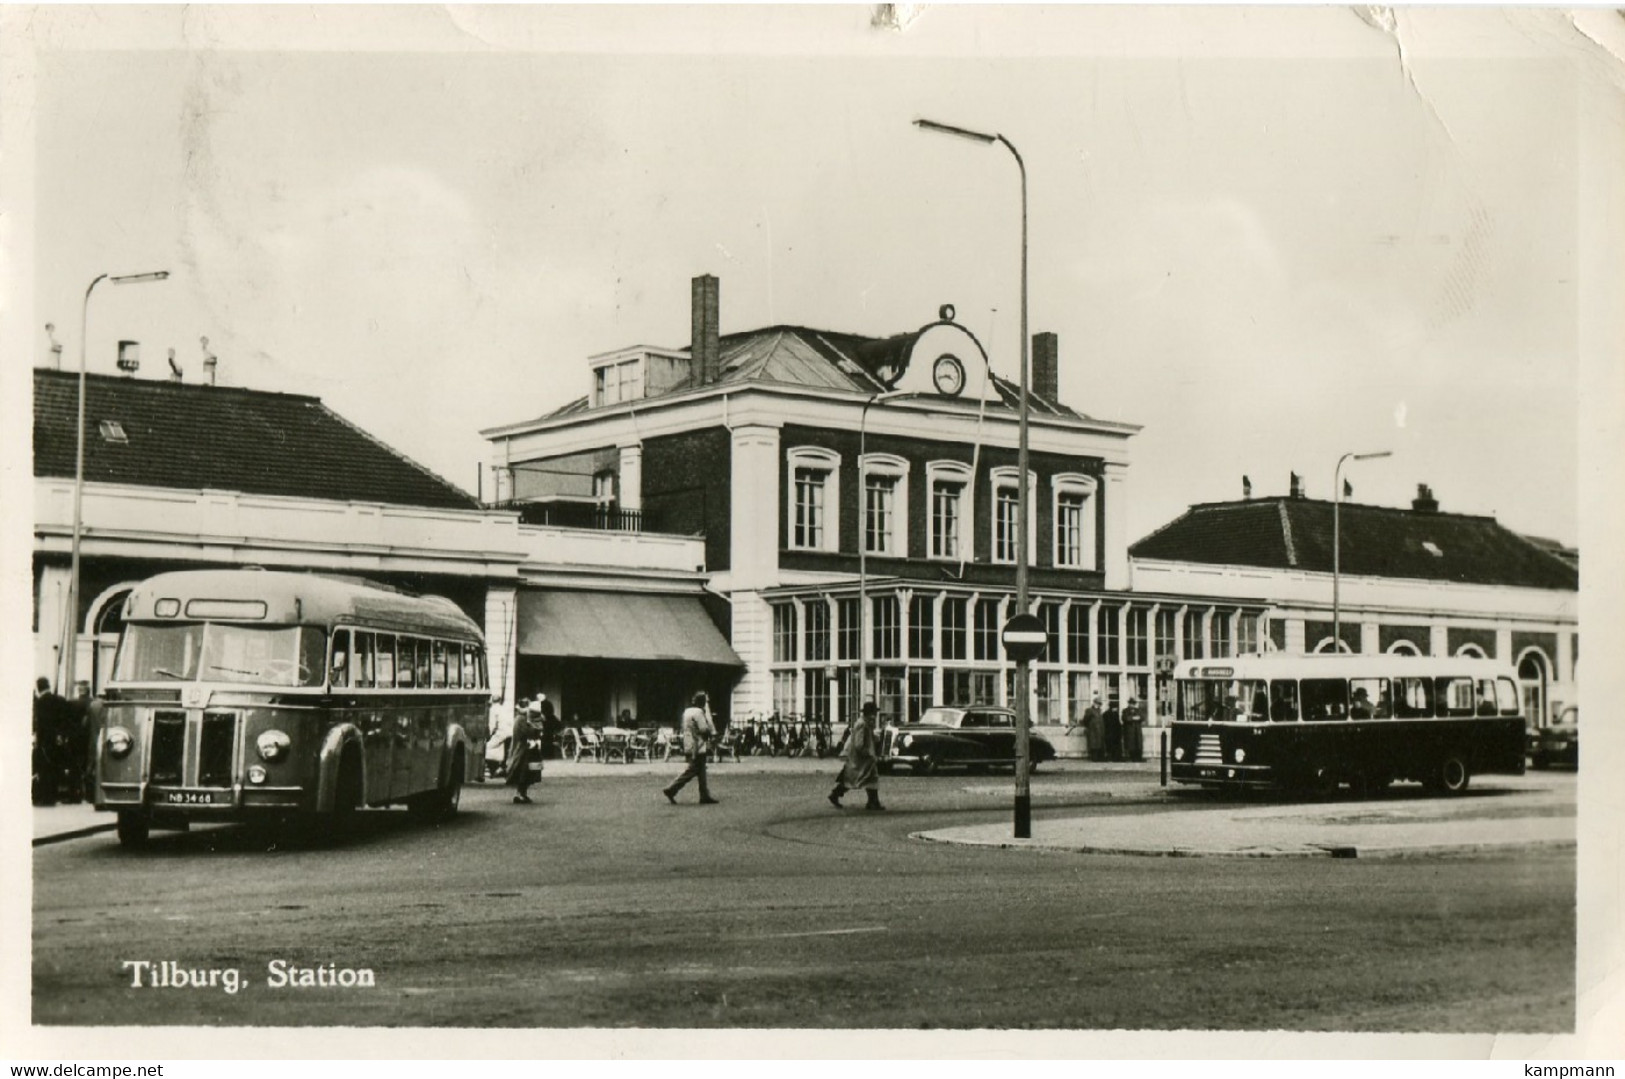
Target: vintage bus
(1310,723)
(253,694)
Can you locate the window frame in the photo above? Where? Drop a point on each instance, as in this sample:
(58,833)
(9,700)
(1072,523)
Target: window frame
(959,474)
(1000,478)
(827,462)
(1067,485)
(890,466)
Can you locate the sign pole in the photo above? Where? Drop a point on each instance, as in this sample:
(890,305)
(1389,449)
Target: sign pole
(1024,640)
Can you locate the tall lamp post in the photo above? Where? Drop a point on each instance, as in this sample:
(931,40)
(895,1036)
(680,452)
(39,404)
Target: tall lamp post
(1023,801)
(1337,540)
(71,651)
(863,543)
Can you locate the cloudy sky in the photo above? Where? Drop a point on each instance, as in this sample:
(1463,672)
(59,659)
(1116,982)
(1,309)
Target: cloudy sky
(1268,236)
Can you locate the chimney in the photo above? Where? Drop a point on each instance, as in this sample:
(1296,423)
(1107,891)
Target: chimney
(210,360)
(1046,367)
(1295,489)
(1424,502)
(129,356)
(704,345)
(1246,488)
(175,372)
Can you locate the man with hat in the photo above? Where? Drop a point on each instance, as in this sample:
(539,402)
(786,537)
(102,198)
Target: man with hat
(862,768)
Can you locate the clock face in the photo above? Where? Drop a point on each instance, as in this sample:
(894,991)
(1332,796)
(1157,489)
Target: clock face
(949,375)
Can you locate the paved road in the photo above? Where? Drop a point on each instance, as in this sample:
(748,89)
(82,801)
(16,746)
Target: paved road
(604,906)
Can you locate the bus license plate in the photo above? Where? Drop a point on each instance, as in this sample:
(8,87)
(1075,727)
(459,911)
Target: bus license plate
(194,798)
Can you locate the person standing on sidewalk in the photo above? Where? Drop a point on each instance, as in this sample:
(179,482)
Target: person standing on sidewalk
(525,747)
(862,768)
(698,733)
(1094,729)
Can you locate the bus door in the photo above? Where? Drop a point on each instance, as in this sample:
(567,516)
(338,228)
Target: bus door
(370,715)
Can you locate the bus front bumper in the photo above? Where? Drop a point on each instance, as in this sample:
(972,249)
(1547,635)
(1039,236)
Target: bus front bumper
(1230,775)
(222,803)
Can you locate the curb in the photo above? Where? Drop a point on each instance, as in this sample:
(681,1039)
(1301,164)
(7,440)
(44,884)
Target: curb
(74,833)
(1349,851)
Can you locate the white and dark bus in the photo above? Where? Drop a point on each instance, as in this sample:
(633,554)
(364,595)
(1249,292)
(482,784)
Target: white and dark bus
(1310,723)
(250,694)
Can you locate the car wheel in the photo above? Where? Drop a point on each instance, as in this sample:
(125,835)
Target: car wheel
(133,828)
(1540,763)
(927,765)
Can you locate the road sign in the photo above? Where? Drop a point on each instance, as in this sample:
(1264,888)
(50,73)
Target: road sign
(1023,637)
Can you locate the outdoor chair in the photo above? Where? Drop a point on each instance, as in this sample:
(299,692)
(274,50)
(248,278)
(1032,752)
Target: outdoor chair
(588,744)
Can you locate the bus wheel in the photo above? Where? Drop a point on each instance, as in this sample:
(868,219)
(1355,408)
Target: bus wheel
(1452,774)
(133,827)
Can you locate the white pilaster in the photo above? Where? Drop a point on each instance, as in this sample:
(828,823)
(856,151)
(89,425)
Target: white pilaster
(754,530)
(1438,640)
(1116,509)
(631,470)
(1369,640)
(1294,636)
(753,642)
(502,647)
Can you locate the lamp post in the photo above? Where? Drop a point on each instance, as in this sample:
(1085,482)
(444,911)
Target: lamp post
(71,651)
(1023,799)
(863,542)
(1337,540)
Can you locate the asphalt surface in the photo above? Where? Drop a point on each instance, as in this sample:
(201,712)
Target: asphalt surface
(604,906)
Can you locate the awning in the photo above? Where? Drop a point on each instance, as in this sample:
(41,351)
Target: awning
(620,625)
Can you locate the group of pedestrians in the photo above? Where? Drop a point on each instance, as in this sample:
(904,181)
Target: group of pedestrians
(1111,735)
(61,757)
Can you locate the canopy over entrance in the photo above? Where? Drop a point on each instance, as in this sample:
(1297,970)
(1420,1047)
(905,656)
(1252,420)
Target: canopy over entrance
(620,625)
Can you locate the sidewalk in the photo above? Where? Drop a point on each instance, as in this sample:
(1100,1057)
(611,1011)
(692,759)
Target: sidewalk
(52,824)
(1517,814)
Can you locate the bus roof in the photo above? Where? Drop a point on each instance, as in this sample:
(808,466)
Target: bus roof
(293,598)
(1345,665)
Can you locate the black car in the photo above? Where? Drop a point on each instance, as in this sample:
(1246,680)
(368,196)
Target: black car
(1558,743)
(980,736)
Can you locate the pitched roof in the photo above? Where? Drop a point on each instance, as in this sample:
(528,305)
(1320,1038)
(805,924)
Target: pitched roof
(191,436)
(824,359)
(1377,541)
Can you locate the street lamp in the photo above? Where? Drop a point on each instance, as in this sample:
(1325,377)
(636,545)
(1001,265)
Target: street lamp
(71,652)
(863,542)
(1337,539)
(1023,806)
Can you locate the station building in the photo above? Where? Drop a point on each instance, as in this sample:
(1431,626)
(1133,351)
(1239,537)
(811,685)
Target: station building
(190,475)
(825,470)
(1411,580)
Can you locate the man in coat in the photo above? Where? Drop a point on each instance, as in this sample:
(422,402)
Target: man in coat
(524,746)
(1113,724)
(862,768)
(698,734)
(1094,729)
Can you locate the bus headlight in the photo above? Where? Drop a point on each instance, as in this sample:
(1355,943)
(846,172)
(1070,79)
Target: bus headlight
(1179,753)
(119,742)
(256,773)
(273,745)
(1241,754)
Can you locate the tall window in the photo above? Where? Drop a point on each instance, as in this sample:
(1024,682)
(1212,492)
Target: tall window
(986,635)
(1050,615)
(784,633)
(879,514)
(849,632)
(1004,523)
(1220,634)
(1074,521)
(1047,694)
(919,691)
(887,631)
(1078,617)
(953,628)
(949,482)
(813,505)
(784,692)
(1246,634)
(921,627)
(1193,635)
(1165,632)
(1106,647)
(1137,656)
(815,693)
(817,631)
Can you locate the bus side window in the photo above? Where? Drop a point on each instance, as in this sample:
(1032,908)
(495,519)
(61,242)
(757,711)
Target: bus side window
(407,649)
(1455,696)
(1283,701)
(1486,697)
(471,670)
(481,682)
(1413,698)
(363,660)
(1325,698)
(454,665)
(1369,698)
(424,654)
(439,671)
(1506,697)
(338,670)
(384,662)
(312,654)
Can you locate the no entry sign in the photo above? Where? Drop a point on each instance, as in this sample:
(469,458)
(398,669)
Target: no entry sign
(1023,637)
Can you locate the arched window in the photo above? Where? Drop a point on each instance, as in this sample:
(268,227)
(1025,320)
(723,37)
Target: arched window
(1403,648)
(1471,650)
(1329,644)
(948,486)
(813,510)
(1074,514)
(1532,678)
(884,515)
(1005,494)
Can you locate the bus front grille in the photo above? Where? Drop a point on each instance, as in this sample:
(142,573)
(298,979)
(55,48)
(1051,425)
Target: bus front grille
(1208,750)
(168,748)
(217,748)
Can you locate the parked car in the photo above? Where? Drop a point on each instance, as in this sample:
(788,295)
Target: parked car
(980,736)
(1558,743)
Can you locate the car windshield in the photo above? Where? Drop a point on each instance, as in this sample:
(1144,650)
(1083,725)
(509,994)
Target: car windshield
(948,717)
(216,652)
